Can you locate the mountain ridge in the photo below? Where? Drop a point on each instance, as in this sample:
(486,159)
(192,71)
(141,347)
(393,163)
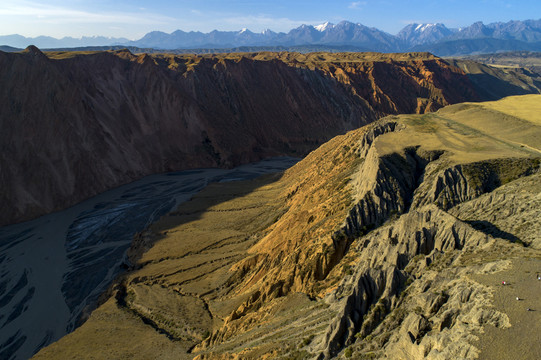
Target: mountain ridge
(514,35)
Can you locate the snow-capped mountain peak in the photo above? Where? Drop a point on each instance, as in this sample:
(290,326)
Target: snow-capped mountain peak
(417,34)
(324,26)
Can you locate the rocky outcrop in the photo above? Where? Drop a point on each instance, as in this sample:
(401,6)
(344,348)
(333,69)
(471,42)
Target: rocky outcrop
(419,183)
(385,186)
(508,212)
(461,183)
(417,186)
(378,280)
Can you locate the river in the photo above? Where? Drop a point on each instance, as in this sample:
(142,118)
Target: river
(56,266)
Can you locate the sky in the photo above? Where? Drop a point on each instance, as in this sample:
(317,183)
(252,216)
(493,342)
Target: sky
(132,19)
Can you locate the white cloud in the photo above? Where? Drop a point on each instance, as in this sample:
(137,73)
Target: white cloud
(357,4)
(262,22)
(64,15)
(36,17)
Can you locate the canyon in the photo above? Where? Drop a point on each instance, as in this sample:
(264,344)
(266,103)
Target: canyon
(328,259)
(390,241)
(77,124)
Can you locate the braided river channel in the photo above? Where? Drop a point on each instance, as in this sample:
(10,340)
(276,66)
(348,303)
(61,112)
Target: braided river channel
(54,268)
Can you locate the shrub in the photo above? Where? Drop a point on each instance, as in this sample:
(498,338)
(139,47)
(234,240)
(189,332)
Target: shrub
(306,341)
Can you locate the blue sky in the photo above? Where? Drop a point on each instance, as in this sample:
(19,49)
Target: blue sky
(134,18)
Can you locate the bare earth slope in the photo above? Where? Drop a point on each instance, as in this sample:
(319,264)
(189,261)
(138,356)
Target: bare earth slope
(492,82)
(531,61)
(388,242)
(76,124)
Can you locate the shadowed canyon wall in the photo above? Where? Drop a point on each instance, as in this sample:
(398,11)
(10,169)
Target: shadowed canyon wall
(76,124)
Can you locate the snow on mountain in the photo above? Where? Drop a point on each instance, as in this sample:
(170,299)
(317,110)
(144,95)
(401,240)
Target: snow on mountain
(324,26)
(348,33)
(417,34)
(423,27)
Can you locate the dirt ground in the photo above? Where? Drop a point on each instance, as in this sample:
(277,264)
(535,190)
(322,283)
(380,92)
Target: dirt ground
(523,339)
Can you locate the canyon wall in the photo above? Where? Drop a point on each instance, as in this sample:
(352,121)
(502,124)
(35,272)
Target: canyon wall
(76,124)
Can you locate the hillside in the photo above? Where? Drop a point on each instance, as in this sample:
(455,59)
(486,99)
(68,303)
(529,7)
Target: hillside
(436,38)
(5,48)
(494,82)
(390,241)
(476,46)
(530,61)
(75,124)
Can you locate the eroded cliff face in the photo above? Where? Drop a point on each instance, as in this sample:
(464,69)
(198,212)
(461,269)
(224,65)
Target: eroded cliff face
(404,196)
(76,124)
(385,242)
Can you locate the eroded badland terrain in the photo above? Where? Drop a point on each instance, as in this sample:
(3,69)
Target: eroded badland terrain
(388,242)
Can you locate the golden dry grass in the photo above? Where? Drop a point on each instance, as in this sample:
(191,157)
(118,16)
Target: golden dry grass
(193,249)
(59,55)
(527,107)
(285,56)
(115,333)
(474,131)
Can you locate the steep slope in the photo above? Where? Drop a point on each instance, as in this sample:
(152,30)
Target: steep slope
(76,124)
(477,46)
(515,35)
(344,32)
(386,242)
(530,61)
(493,83)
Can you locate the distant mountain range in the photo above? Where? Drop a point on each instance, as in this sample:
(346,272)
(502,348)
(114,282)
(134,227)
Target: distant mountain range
(436,38)
(47,42)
